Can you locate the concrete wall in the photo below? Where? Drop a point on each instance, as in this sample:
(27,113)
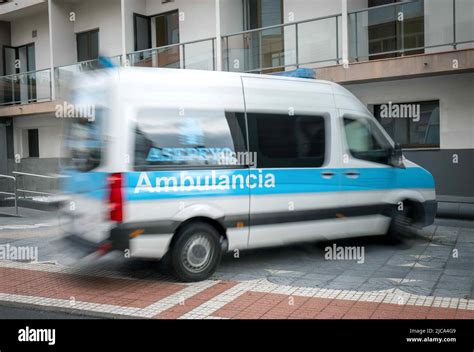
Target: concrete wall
(49,134)
(131,7)
(454,93)
(64,39)
(104,15)
(21,34)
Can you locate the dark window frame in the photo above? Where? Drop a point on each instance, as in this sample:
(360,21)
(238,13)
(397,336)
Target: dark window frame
(410,145)
(310,162)
(88,33)
(33,141)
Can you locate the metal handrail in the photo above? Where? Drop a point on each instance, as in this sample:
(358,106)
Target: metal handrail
(281,25)
(15,193)
(164,47)
(24,73)
(34,175)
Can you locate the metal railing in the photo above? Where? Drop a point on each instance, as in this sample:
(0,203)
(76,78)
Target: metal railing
(196,54)
(309,43)
(17,190)
(14,193)
(27,87)
(64,75)
(414,27)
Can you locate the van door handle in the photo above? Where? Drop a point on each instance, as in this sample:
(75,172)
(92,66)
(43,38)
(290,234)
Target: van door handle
(352,174)
(327,174)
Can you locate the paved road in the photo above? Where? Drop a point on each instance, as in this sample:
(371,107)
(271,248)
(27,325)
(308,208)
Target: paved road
(9,312)
(436,262)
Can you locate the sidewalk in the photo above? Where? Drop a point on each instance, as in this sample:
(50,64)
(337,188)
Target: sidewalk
(109,296)
(419,278)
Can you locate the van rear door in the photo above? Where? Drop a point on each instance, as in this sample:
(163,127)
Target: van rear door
(85,213)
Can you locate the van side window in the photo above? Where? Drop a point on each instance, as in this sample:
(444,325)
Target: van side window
(366,141)
(167,138)
(281,140)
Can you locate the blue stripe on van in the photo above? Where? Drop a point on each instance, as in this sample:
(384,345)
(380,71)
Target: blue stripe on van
(284,181)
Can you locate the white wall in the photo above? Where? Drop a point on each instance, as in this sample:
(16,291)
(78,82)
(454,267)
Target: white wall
(21,33)
(49,135)
(131,7)
(64,39)
(105,15)
(454,93)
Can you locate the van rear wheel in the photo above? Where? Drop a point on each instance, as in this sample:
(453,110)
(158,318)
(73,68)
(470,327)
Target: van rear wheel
(196,253)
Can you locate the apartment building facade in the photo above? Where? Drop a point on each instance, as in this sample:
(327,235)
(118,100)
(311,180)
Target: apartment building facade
(389,53)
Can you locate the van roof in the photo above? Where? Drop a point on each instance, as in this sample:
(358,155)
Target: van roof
(129,76)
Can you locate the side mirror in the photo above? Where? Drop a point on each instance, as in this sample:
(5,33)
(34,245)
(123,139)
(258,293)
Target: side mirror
(396,157)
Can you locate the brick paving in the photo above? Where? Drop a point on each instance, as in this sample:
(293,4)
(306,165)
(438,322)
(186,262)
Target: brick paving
(419,279)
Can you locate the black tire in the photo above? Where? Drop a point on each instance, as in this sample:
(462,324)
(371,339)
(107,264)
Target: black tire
(196,253)
(401,225)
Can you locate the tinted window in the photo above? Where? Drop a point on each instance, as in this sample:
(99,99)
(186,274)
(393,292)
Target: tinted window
(413,125)
(366,141)
(85,141)
(190,138)
(87,45)
(287,141)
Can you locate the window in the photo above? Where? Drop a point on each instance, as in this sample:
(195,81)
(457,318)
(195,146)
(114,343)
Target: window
(142,31)
(287,141)
(85,142)
(413,125)
(167,138)
(33,143)
(366,141)
(87,45)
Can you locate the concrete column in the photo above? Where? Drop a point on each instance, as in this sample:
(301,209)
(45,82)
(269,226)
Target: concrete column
(51,59)
(344,34)
(218,37)
(124,48)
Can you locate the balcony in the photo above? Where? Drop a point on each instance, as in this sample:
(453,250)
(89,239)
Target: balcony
(394,31)
(310,43)
(24,88)
(197,55)
(409,28)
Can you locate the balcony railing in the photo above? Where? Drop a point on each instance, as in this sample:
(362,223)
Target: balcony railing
(64,75)
(27,87)
(411,27)
(198,55)
(309,43)
(403,28)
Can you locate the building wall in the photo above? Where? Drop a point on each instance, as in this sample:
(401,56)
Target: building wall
(454,93)
(21,34)
(104,15)
(49,134)
(64,39)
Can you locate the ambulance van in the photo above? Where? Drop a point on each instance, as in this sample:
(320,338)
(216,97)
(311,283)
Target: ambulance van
(186,165)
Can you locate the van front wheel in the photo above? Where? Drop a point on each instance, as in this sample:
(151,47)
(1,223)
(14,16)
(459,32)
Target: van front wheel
(196,253)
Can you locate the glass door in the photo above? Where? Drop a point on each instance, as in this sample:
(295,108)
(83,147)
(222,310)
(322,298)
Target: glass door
(20,62)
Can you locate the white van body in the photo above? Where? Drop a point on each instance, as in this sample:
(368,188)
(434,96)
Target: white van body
(278,201)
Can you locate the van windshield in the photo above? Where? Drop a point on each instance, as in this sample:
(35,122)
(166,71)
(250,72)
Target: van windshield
(84,142)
